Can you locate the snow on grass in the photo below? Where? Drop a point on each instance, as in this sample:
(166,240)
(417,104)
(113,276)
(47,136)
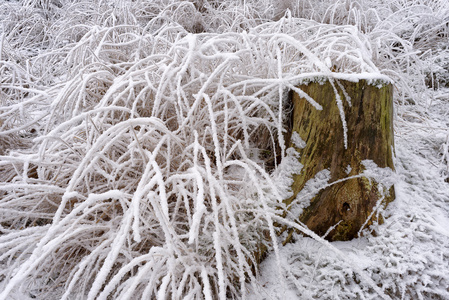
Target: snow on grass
(142,152)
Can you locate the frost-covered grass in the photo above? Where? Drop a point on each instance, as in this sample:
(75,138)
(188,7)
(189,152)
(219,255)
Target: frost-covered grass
(142,151)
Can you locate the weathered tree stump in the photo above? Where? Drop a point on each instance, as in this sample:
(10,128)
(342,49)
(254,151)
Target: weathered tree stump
(369,137)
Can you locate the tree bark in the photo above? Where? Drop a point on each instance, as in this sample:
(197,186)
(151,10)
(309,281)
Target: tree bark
(369,121)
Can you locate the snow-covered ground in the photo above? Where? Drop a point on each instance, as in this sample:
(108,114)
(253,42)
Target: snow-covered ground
(140,145)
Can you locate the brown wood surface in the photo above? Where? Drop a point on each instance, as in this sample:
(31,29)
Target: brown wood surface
(370,136)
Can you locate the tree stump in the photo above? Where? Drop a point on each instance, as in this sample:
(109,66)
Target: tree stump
(369,121)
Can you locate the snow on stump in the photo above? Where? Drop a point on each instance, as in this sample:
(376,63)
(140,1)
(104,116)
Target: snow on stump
(368,112)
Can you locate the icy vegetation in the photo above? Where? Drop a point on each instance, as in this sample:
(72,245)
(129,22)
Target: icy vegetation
(142,153)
